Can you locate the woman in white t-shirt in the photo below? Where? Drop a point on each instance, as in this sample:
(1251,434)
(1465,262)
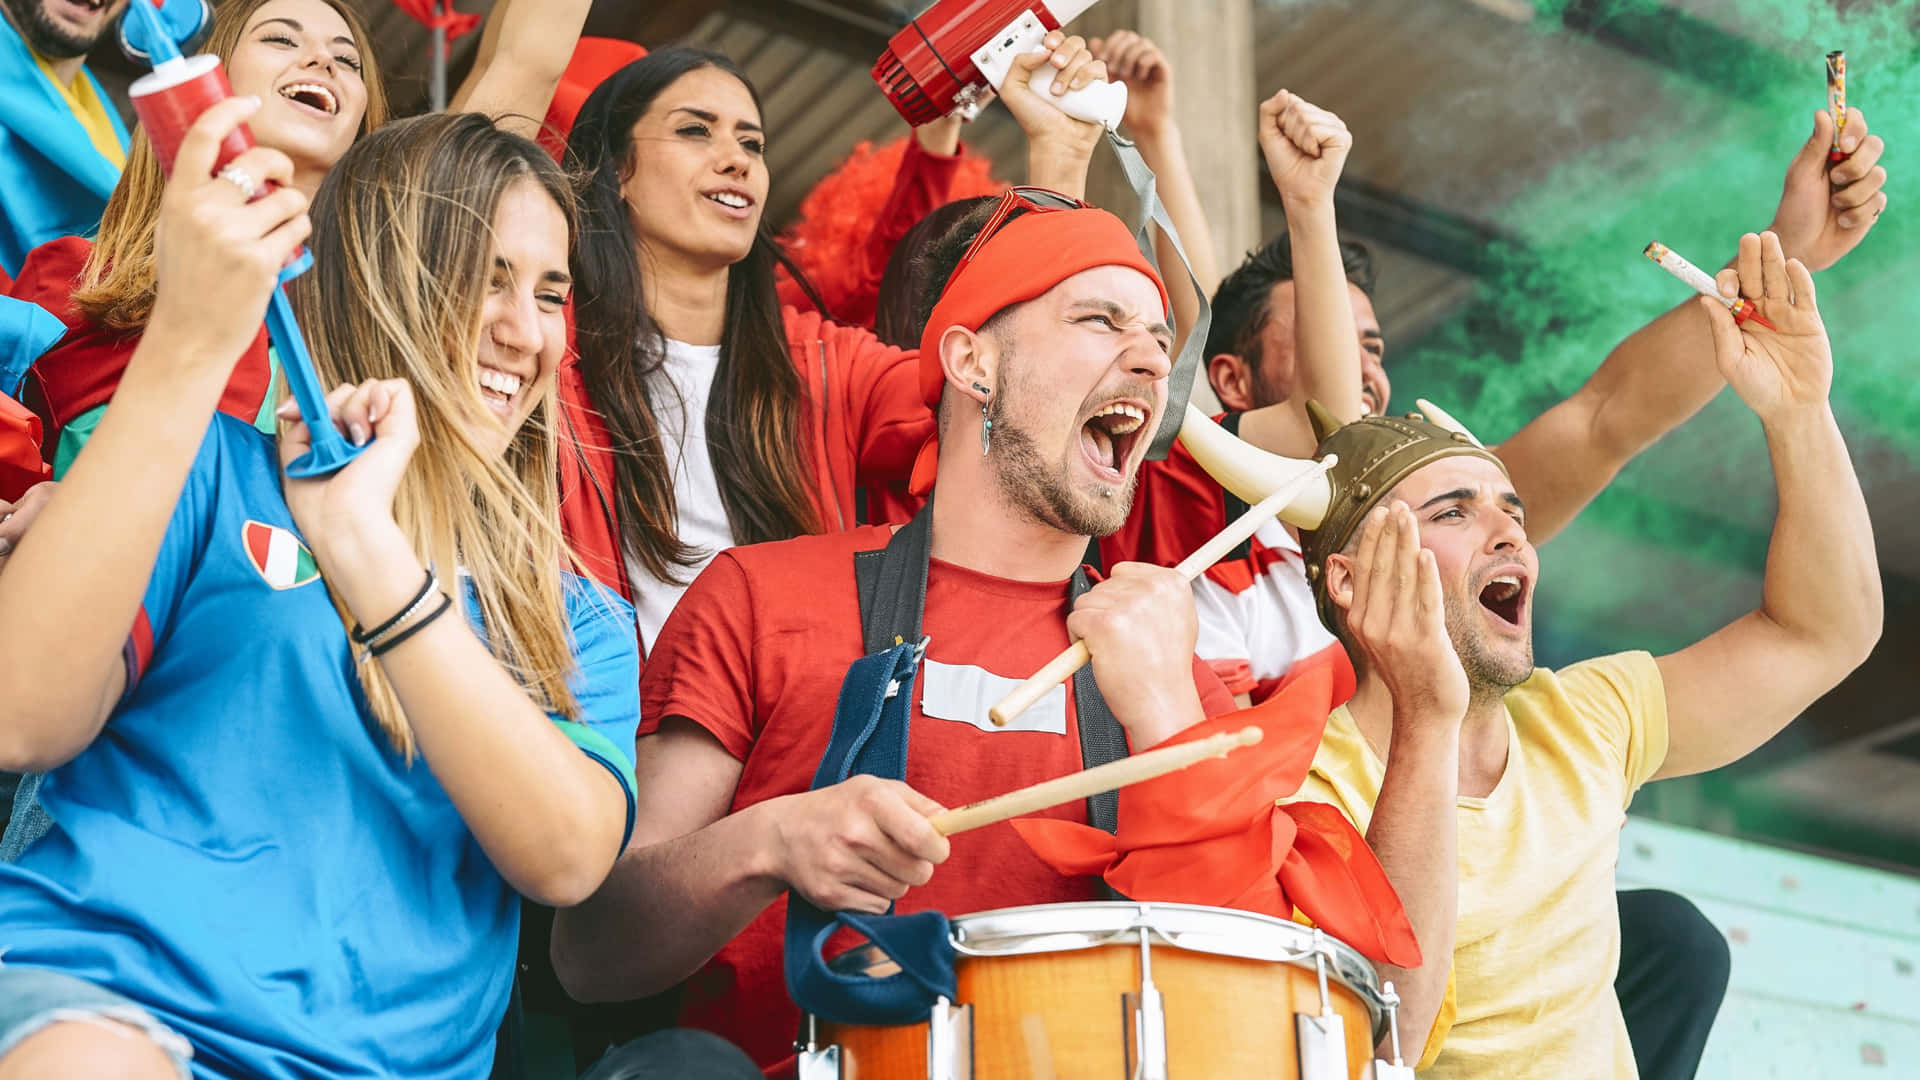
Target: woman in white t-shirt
(704,414)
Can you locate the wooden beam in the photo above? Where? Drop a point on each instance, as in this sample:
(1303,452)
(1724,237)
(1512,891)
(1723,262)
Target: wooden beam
(1373,212)
(832,24)
(649,24)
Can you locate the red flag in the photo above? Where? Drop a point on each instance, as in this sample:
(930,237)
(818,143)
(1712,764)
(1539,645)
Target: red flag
(1217,834)
(594,60)
(439,15)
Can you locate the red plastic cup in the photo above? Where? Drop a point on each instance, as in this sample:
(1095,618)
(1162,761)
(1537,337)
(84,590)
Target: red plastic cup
(169,101)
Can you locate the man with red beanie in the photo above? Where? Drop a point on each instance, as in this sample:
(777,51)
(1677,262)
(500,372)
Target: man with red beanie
(1049,375)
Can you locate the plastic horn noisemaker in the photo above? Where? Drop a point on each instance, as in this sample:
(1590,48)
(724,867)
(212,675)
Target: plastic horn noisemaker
(946,59)
(1297,492)
(1254,474)
(168,101)
(184,21)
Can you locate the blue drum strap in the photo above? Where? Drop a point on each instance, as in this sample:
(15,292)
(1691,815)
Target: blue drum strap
(870,726)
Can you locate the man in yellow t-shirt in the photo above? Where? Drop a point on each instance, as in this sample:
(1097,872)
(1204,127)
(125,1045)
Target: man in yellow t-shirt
(1493,791)
(62,145)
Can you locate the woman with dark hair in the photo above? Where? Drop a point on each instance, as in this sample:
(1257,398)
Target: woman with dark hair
(706,415)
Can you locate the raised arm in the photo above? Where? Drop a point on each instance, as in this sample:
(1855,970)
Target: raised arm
(1820,608)
(1306,147)
(73,586)
(1059,148)
(524,51)
(1655,380)
(1149,121)
(1389,590)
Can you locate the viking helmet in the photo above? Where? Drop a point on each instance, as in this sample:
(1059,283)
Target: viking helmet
(1376,453)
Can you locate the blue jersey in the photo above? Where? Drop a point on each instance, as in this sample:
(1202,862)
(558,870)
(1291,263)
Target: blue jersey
(241,850)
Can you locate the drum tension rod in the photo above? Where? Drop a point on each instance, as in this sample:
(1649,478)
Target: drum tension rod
(1322,1039)
(1398,1069)
(813,1061)
(1149,1019)
(949,1041)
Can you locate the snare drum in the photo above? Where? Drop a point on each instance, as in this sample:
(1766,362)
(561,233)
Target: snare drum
(1119,990)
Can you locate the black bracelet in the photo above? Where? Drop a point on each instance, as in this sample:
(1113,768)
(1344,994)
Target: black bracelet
(388,646)
(366,637)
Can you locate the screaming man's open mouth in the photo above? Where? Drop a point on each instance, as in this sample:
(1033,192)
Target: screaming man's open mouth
(1108,436)
(1506,597)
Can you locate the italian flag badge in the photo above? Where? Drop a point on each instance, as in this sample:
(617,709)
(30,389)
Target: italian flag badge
(279,555)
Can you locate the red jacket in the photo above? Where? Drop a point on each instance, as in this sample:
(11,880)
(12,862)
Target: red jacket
(862,421)
(83,369)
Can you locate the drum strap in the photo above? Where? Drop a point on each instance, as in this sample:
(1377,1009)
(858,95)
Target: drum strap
(870,735)
(893,599)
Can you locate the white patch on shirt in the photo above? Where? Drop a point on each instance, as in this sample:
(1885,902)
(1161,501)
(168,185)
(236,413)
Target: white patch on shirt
(964,693)
(1273,624)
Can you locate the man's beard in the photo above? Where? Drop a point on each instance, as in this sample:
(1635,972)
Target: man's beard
(48,38)
(1490,671)
(1040,488)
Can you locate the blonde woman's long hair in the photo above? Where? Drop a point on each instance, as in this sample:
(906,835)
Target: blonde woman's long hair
(403,257)
(117,285)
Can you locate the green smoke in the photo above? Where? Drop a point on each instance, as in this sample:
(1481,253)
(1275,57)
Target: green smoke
(1573,283)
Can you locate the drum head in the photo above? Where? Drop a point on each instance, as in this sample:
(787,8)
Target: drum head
(1044,928)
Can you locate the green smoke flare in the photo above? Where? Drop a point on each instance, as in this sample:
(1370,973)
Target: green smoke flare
(1573,284)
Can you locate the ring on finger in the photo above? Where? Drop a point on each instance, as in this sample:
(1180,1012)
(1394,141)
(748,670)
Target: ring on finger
(240,178)
(5,516)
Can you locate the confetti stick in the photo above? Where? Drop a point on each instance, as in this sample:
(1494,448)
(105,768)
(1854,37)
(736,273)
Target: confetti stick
(1837,101)
(1090,782)
(1673,263)
(1061,668)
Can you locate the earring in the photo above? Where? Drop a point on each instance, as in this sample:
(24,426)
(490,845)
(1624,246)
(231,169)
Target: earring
(986,421)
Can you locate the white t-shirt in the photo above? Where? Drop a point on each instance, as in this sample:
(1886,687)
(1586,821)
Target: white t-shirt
(679,391)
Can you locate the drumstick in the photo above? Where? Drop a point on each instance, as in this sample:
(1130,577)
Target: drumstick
(1090,782)
(1062,667)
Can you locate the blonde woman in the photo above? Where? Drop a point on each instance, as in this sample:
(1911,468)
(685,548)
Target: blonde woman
(313,67)
(305,740)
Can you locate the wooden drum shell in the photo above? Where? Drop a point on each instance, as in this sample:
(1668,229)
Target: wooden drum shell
(1061,1016)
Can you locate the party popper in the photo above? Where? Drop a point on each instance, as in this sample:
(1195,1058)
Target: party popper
(1674,263)
(1837,101)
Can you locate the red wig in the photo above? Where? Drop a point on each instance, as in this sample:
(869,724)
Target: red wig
(852,218)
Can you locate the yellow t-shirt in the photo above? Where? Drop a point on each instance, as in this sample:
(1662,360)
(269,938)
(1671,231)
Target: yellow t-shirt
(1537,940)
(88,109)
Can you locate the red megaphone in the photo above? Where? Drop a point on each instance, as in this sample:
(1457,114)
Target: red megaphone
(946,59)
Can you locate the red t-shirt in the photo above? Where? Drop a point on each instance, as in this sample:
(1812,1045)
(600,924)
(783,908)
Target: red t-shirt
(755,653)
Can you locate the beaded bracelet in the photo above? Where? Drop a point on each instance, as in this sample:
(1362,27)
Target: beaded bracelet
(394,642)
(367,637)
